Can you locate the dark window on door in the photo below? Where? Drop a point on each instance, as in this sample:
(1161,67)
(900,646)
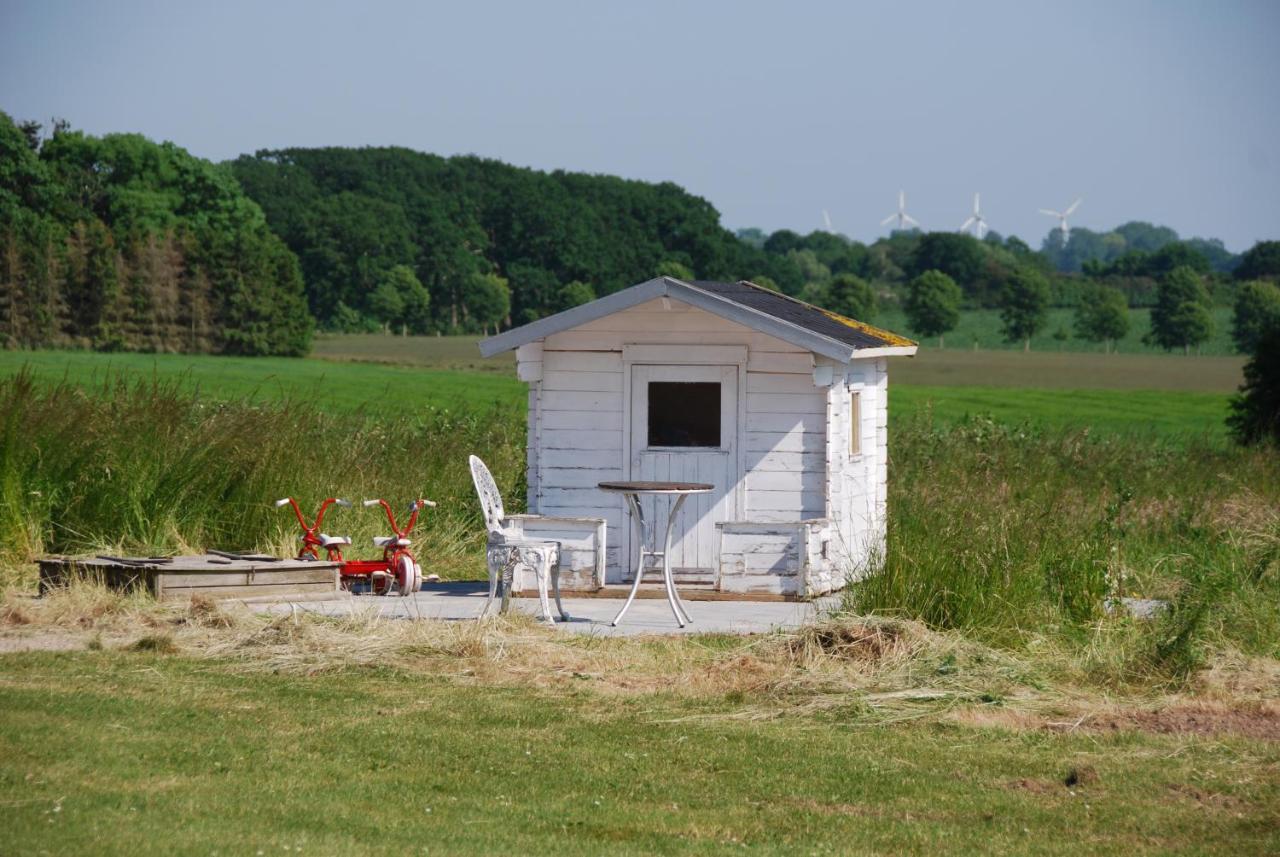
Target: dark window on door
(684,413)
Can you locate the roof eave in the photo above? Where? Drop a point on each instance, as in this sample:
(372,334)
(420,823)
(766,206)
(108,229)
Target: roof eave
(885,351)
(694,296)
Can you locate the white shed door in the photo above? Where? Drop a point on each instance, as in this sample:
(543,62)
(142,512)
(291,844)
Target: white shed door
(684,428)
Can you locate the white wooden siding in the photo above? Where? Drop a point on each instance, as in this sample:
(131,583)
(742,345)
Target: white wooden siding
(794,437)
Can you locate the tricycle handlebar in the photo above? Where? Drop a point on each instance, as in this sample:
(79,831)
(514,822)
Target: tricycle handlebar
(283,502)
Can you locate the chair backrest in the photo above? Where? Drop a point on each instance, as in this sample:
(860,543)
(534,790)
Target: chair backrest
(490,499)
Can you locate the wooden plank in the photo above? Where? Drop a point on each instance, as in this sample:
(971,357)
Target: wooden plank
(580,498)
(581,439)
(562,400)
(606,459)
(251,591)
(767,516)
(638,321)
(575,381)
(776,382)
(791,441)
(756,461)
(759,563)
(579,477)
(786,480)
(703,355)
(589,340)
(802,504)
(243,578)
(798,363)
(581,361)
(593,420)
(811,422)
(787,403)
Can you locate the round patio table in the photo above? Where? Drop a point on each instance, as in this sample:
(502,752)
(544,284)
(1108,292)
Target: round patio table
(647,534)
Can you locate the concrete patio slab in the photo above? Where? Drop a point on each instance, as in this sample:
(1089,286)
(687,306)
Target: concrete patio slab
(463,602)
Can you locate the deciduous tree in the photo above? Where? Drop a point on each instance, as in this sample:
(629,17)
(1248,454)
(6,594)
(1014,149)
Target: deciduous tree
(487,300)
(1257,308)
(1180,318)
(852,297)
(933,305)
(574,294)
(1102,316)
(1024,305)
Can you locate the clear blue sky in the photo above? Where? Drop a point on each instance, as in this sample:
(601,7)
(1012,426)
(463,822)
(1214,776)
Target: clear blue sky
(1160,111)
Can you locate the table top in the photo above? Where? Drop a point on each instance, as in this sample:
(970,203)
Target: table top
(657,487)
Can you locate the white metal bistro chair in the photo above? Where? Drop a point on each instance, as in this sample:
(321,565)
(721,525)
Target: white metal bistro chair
(507,550)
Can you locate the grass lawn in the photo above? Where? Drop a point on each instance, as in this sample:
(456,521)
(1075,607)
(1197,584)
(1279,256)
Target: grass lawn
(1135,412)
(1166,395)
(122,753)
(331,385)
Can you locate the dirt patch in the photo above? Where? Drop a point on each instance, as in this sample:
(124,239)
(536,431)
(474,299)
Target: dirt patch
(1216,800)
(55,642)
(1261,721)
(1034,786)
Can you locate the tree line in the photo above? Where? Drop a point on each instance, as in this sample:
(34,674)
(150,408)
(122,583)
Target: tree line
(119,243)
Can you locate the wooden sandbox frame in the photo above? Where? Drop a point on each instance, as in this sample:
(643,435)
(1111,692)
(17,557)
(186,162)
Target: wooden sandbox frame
(208,575)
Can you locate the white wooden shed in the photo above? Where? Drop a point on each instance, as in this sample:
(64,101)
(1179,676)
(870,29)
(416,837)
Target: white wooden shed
(779,404)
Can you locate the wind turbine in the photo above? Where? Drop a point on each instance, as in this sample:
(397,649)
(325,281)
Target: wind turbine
(901,216)
(975,220)
(826,219)
(1062,218)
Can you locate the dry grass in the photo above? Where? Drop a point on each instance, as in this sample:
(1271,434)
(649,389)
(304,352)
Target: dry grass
(862,669)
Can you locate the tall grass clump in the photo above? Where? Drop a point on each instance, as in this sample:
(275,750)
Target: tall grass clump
(150,468)
(1018,532)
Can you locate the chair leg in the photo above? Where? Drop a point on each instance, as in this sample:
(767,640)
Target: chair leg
(555,584)
(508,574)
(544,569)
(493,589)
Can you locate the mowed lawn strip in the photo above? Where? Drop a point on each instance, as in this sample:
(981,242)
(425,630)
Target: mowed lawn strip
(389,389)
(115,753)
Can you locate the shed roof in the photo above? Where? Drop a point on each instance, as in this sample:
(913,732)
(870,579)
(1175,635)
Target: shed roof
(794,321)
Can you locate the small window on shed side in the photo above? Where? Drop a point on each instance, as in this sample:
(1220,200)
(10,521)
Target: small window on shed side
(855,423)
(684,413)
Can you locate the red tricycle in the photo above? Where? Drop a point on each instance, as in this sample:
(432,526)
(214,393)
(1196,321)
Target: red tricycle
(397,569)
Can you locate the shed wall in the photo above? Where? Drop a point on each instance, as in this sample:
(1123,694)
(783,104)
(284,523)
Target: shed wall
(577,431)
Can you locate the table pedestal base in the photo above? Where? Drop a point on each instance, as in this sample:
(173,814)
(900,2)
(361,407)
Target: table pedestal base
(646,535)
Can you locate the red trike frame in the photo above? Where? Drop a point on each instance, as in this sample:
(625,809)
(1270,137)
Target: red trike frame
(398,564)
(311,541)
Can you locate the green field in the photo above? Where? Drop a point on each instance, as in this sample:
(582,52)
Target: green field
(982,327)
(329,385)
(117,753)
(1168,395)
